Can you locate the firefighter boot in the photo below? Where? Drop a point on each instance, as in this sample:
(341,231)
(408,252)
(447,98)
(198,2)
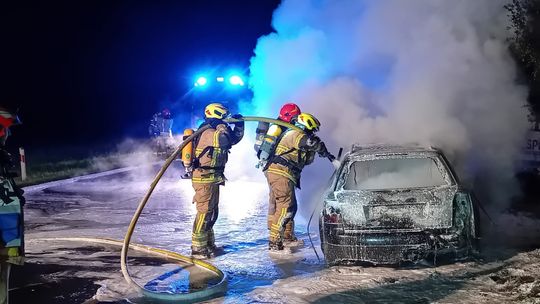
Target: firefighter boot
(288,235)
(211,240)
(289,239)
(275,246)
(200,252)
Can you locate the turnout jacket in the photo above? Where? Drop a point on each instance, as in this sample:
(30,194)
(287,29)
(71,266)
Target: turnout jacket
(211,151)
(294,151)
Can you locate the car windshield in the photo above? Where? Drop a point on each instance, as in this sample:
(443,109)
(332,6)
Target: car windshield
(396,173)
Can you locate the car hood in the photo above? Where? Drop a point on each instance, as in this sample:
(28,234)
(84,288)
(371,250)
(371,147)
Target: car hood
(420,208)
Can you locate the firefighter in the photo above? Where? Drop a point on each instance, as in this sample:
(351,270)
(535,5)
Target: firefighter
(160,131)
(294,151)
(288,113)
(161,124)
(11,211)
(211,152)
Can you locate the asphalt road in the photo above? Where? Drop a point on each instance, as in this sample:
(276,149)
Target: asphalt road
(71,272)
(102,206)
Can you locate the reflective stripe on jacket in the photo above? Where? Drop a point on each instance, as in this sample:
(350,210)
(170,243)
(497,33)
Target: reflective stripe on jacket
(211,152)
(290,149)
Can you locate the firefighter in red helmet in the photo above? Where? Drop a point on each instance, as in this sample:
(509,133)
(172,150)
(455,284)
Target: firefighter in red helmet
(288,113)
(294,150)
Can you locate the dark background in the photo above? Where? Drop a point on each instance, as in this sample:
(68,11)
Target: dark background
(85,73)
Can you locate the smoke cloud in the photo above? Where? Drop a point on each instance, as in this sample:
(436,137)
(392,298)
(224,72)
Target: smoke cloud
(431,72)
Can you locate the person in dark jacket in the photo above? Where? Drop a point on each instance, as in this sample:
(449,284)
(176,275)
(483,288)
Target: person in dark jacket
(11,209)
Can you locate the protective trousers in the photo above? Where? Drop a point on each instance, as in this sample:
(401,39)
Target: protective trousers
(282,208)
(206,199)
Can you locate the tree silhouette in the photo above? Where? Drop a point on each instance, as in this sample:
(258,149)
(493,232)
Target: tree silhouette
(525,46)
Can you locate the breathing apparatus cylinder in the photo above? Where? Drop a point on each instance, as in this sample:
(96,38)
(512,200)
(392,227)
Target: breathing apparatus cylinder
(268,145)
(262,128)
(197,294)
(187,151)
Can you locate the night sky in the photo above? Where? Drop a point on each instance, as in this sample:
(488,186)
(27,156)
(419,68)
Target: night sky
(88,72)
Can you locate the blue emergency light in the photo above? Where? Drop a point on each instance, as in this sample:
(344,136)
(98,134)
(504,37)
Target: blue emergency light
(236,80)
(201,81)
(230,80)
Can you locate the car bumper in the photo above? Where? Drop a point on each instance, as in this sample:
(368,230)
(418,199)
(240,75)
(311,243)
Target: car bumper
(380,248)
(387,248)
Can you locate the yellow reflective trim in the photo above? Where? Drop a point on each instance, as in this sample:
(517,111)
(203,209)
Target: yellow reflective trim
(297,141)
(274,231)
(283,149)
(212,181)
(199,150)
(198,237)
(216,147)
(207,180)
(282,173)
(292,154)
(199,243)
(216,138)
(280,220)
(13,251)
(200,223)
(197,220)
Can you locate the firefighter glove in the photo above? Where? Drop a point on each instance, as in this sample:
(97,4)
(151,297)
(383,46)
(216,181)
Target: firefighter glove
(323,152)
(238,116)
(313,143)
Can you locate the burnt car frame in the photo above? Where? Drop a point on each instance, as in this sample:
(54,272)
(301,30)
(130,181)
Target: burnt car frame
(395,204)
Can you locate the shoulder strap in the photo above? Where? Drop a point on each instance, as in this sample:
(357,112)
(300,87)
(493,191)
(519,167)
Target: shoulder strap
(279,140)
(195,143)
(273,158)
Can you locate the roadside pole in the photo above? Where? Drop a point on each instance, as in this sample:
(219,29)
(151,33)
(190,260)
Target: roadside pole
(23,163)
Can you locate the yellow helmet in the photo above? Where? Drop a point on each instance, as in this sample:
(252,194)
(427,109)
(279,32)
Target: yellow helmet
(216,110)
(308,121)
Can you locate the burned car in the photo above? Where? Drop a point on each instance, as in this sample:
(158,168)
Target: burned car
(395,204)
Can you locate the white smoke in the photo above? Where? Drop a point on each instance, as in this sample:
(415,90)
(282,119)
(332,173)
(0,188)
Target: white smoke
(434,72)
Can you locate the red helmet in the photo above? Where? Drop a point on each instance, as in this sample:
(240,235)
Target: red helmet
(289,111)
(166,113)
(7,119)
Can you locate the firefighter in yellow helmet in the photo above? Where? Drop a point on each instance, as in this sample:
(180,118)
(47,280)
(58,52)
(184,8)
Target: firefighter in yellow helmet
(211,151)
(294,150)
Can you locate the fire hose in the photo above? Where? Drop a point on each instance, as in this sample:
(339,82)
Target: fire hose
(192,296)
(195,295)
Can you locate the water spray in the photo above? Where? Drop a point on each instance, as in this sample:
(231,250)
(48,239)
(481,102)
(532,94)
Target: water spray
(219,287)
